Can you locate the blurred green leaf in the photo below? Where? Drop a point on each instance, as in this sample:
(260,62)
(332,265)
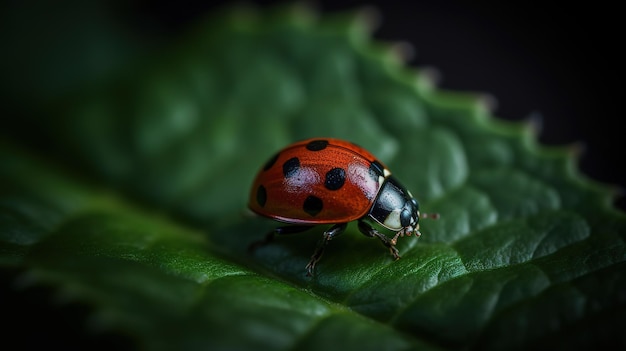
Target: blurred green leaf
(136,205)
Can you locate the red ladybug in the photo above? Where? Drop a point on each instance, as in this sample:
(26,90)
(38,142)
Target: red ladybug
(331,181)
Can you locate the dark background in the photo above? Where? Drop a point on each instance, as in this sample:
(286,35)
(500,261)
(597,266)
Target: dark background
(561,63)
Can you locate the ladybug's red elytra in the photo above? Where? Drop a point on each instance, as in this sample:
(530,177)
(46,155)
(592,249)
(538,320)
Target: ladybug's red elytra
(332,181)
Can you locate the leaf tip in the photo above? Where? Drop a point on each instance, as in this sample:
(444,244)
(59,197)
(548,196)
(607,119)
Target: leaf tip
(403,51)
(618,192)
(369,17)
(306,9)
(576,149)
(429,77)
(487,101)
(533,124)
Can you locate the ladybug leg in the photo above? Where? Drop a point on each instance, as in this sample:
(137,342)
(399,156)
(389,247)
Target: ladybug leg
(327,236)
(286,230)
(367,229)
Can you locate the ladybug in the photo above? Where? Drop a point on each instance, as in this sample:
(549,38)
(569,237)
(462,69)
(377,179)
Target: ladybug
(332,181)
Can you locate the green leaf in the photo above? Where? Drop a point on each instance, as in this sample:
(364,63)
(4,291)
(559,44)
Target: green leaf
(136,206)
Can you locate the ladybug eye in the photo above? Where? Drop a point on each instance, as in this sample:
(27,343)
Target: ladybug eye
(417,206)
(405,217)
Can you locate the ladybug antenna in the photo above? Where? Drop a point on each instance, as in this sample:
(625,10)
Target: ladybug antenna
(429,215)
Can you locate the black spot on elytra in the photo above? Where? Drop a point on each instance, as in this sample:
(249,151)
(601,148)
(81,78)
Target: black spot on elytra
(271,162)
(261,195)
(317,145)
(376,170)
(313,205)
(335,178)
(291,167)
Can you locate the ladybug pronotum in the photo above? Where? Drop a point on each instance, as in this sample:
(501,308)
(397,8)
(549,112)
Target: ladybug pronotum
(331,181)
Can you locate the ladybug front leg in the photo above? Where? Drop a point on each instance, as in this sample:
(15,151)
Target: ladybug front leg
(327,236)
(367,229)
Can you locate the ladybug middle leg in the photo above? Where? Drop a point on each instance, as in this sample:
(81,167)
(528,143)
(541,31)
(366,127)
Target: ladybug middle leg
(367,229)
(328,235)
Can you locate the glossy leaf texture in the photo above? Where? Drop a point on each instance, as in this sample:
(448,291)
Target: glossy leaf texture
(135,204)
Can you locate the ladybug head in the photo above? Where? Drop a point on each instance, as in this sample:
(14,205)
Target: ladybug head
(409,217)
(396,209)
